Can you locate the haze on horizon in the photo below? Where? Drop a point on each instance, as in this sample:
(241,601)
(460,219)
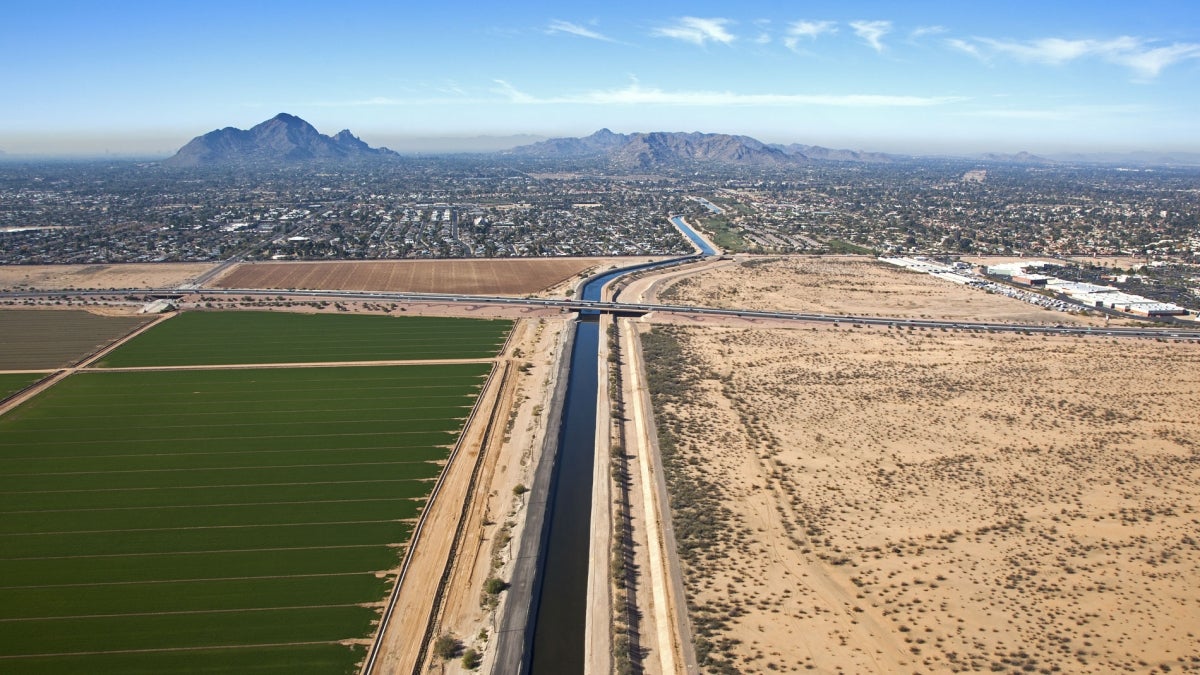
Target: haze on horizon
(134,79)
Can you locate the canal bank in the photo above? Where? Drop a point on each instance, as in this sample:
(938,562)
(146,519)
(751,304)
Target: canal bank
(514,640)
(562,629)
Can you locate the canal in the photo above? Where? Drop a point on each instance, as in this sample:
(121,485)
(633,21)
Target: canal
(560,616)
(688,232)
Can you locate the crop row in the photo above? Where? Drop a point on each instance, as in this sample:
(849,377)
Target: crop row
(248,518)
(208,338)
(11,383)
(291,659)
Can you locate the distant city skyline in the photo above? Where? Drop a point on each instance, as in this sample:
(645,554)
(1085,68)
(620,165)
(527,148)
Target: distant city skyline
(139,78)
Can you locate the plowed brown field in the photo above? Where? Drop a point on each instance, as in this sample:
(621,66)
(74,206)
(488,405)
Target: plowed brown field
(46,339)
(504,277)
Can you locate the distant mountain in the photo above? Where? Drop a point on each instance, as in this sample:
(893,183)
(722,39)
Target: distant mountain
(660,149)
(450,145)
(1015,158)
(818,153)
(1143,158)
(283,139)
(598,144)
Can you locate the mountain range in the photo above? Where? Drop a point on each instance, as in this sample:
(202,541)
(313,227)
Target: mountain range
(283,139)
(662,149)
(288,140)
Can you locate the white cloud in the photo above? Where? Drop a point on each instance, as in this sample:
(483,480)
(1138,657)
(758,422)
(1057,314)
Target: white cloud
(811,29)
(1134,53)
(505,92)
(872,32)
(557,26)
(1150,62)
(698,31)
(635,94)
(764,37)
(1060,114)
(923,31)
(1057,51)
(807,30)
(513,94)
(964,46)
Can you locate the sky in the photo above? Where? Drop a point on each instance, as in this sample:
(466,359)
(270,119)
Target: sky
(122,77)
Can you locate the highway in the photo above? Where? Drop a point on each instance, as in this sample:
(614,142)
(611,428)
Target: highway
(1174,332)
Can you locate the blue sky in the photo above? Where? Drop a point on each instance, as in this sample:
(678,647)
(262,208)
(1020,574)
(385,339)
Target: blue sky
(129,77)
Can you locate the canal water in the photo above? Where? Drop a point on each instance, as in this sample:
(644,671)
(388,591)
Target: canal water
(688,232)
(560,616)
(558,636)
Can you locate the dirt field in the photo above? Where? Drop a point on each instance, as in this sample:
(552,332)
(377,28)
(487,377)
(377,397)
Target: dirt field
(1124,262)
(874,500)
(514,276)
(133,275)
(851,285)
(46,339)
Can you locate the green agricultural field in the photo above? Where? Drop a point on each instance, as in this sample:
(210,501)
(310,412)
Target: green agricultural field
(34,339)
(209,338)
(11,383)
(224,520)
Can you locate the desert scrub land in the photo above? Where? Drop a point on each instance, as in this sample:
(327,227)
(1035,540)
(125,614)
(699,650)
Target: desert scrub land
(920,501)
(850,285)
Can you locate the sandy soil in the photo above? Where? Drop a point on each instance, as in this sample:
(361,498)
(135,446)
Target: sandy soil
(874,500)
(130,275)
(646,287)
(849,285)
(496,515)
(403,642)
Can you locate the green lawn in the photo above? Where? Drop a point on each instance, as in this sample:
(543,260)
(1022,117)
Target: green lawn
(208,338)
(221,520)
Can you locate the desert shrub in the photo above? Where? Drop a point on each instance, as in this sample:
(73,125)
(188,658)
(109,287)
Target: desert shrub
(447,647)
